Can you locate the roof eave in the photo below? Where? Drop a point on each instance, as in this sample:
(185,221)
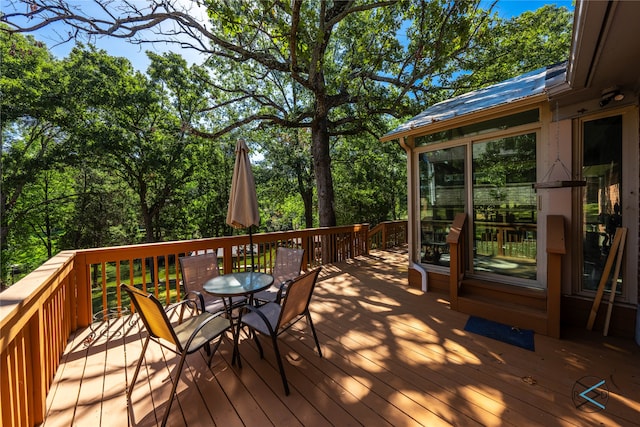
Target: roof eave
(447,123)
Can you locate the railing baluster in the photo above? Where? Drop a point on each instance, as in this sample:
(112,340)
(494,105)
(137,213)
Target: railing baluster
(64,296)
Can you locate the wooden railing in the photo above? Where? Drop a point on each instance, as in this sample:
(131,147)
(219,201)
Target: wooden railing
(457,267)
(39,313)
(155,267)
(555,249)
(36,318)
(388,234)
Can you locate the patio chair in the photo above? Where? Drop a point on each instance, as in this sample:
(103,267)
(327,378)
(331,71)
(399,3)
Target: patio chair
(272,319)
(286,268)
(196,270)
(185,338)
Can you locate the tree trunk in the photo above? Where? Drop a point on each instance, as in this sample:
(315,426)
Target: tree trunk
(305,189)
(322,168)
(307,200)
(145,211)
(4,234)
(147,217)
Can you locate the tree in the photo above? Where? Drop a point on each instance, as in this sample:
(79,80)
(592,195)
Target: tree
(206,194)
(30,138)
(514,46)
(104,210)
(343,55)
(132,126)
(286,169)
(371,180)
(44,209)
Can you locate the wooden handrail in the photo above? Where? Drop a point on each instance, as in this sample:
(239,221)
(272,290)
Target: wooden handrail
(457,267)
(555,250)
(39,312)
(36,319)
(388,234)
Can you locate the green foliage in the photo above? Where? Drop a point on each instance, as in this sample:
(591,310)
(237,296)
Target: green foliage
(370,181)
(95,153)
(285,170)
(103,214)
(335,68)
(515,46)
(42,212)
(138,124)
(205,196)
(31,151)
(27,70)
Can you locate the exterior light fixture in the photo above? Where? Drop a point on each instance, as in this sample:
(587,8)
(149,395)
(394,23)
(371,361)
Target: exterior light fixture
(612,93)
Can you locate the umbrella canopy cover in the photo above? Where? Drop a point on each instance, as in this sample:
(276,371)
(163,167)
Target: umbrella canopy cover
(243,201)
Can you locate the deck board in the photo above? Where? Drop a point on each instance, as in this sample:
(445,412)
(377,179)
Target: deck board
(392,356)
(62,398)
(115,364)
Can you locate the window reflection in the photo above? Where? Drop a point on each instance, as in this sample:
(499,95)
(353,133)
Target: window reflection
(504,206)
(442,196)
(504,211)
(601,198)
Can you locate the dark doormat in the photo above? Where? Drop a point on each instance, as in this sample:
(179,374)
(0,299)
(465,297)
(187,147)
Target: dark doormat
(519,337)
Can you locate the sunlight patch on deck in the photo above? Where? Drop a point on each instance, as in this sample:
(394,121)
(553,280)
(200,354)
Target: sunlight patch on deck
(358,387)
(494,404)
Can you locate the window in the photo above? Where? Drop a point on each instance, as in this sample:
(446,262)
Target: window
(442,196)
(491,180)
(474,129)
(602,197)
(504,206)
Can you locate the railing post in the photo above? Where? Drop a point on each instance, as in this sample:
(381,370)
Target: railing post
(307,256)
(405,226)
(82,314)
(37,380)
(72,301)
(365,238)
(555,249)
(227,260)
(455,239)
(384,236)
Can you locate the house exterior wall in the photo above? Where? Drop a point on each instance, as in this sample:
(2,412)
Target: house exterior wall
(599,80)
(628,110)
(557,155)
(558,139)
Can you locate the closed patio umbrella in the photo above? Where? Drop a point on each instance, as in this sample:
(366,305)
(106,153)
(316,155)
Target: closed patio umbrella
(243,201)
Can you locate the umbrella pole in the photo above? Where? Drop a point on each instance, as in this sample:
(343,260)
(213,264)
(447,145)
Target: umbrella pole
(251,247)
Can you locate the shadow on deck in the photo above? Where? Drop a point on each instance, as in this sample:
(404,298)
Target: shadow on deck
(392,356)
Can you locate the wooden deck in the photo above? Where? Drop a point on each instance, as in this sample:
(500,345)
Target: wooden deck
(392,356)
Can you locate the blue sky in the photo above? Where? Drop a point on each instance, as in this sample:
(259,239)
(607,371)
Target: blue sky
(509,8)
(136,54)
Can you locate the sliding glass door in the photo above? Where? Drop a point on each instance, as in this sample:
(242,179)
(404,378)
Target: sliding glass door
(497,188)
(442,196)
(504,206)
(602,197)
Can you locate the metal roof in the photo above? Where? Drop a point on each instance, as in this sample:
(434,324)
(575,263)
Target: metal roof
(524,86)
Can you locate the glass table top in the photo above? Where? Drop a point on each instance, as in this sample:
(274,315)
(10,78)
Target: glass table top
(234,284)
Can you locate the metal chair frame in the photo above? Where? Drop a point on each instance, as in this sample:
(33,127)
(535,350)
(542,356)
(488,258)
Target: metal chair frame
(186,338)
(196,270)
(287,266)
(273,319)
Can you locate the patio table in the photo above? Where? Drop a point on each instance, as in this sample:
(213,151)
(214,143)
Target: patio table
(239,284)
